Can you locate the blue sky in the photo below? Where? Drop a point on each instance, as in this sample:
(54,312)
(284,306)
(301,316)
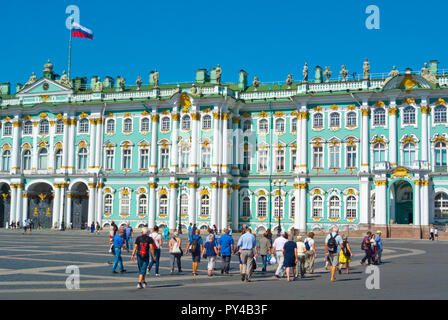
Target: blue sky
(265,38)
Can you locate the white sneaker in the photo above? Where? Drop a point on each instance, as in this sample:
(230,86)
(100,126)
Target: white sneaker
(157,275)
(139,286)
(144,284)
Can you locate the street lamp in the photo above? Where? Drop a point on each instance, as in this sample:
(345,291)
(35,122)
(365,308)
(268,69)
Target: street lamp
(279,184)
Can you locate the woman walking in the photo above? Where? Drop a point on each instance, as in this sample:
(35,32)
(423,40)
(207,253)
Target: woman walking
(210,252)
(310,254)
(345,255)
(175,252)
(264,248)
(301,251)
(158,242)
(290,257)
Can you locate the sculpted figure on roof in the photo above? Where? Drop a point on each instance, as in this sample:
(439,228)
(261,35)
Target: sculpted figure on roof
(218,71)
(327,73)
(366,70)
(65,81)
(289,80)
(256,83)
(305,72)
(344,73)
(156,78)
(139,82)
(33,79)
(426,74)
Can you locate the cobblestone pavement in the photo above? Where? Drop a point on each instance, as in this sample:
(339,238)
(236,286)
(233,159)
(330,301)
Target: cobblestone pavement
(33,266)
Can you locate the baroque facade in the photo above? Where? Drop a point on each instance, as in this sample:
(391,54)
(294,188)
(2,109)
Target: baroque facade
(314,153)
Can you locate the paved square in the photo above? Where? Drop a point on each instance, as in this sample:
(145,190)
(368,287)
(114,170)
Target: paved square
(33,266)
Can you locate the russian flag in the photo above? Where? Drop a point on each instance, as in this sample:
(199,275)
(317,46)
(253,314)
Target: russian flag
(79,31)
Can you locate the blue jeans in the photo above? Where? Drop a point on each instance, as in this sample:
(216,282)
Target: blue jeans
(142,265)
(118,261)
(157,254)
(129,243)
(264,260)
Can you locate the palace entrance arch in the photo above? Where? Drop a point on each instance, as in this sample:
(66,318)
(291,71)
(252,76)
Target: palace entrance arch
(80,205)
(403,202)
(40,205)
(5,204)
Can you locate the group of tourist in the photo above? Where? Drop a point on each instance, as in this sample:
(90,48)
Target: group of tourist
(294,255)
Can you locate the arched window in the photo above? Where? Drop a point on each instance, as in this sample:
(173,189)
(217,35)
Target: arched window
(351,119)
(278,207)
(163,205)
(352,206)
(84,126)
(27,160)
(409,115)
(44,127)
(292,210)
(440,114)
(186,123)
(28,128)
(279,126)
(6,160)
(335,120)
(43,159)
(379,152)
(144,125)
(408,154)
(59,126)
(164,157)
(206,122)
(82,159)
(335,207)
(440,151)
(205,205)
(318,120)
(165,124)
(127,125)
(110,126)
(317,207)
(7,129)
(142,205)
(58,159)
(206,156)
(379,117)
(262,207)
(144,159)
(184,205)
(108,203)
(247,125)
(246,207)
(441,206)
(263,126)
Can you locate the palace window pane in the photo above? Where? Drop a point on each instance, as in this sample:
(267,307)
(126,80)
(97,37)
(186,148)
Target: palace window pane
(246,207)
(262,207)
(351,157)
(335,120)
(334,157)
(184,205)
(318,120)
(294,124)
(351,119)
(143,205)
(247,126)
(206,157)
(293,208)
(278,207)
(58,159)
(27,160)
(164,157)
(144,125)
(28,128)
(43,157)
(7,129)
(280,160)
(82,159)
(334,207)
(6,160)
(205,205)
(379,117)
(262,160)
(127,126)
(246,162)
(144,158)
(124,210)
(163,209)
(126,159)
(408,154)
(280,126)
(318,157)
(108,201)
(409,115)
(441,206)
(84,126)
(440,115)
(109,159)
(263,126)
(185,157)
(186,123)
(207,122)
(351,207)
(110,126)
(166,124)
(293,159)
(44,127)
(59,127)
(317,207)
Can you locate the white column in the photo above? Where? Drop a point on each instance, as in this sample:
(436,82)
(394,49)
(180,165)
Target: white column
(225,206)
(365,138)
(425,111)
(195,116)
(297,205)
(418,205)
(225,144)
(299,144)
(92,197)
(35,147)
(192,214)
(302,213)
(381,202)
(13,208)
(71,146)
(25,207)
(61,207)
(214,200)
(424,220)
(236,154)
(99,143)
(68,211)
(16,152)
(174,141)
(56,205)
(155,127)
(51,149)
(65,144)
(393,134)
(364,204)
(19,212)
(92,152)
(100,203)
(303,141)
(152,205)
(215,163)
(235,206)
(173,205)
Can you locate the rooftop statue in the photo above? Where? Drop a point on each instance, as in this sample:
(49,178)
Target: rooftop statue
(256,83)
(427,74)
(366,70)
(344,73)
(305,72)
(121,83)
(394,72)
(65,81)
(33,79)
(48,67)
(98,86)
(156,78)
(327,73)
(139,82)
(289,80)
(195,91)
(218,71)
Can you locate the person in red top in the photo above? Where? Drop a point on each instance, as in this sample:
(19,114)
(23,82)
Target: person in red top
(143,245)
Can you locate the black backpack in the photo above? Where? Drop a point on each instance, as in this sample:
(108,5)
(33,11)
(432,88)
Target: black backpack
(195,246)
(332,245)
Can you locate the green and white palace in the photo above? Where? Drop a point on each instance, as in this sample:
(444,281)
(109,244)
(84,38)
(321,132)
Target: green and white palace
(349,150)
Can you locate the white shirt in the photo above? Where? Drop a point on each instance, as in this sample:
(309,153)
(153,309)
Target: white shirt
(300,248)
(279,243)
(310,242)
(157,237)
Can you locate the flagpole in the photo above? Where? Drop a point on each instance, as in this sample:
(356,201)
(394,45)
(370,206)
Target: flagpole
(70,53)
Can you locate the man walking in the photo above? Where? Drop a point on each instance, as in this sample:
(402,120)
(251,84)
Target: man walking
(248,246)
(278,246)
(379,245)
(225,247)
(333,242)
(128,234)
(196,246)
(366,247)
(118,245)
(143,245)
